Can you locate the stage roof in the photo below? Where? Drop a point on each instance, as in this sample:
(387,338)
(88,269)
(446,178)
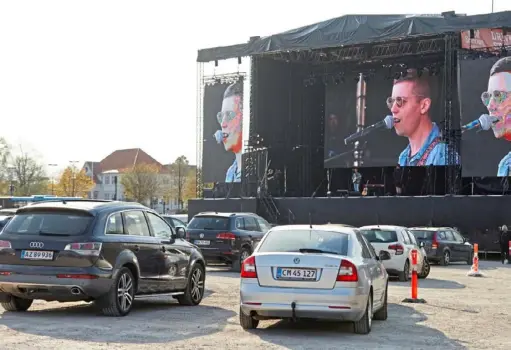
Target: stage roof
(357,29)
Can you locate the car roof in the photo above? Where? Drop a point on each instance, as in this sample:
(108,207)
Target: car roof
(382,227)
(8,211)
(220,214)
(330,228)
(91,206)
(429,228)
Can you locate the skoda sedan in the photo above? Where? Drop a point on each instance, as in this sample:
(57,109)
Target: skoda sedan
(319,272)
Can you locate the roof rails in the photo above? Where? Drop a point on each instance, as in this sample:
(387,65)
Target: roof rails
(49,200)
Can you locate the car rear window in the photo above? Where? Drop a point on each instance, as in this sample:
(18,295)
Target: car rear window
(58,224)
(380,236)
(423,235)
(209,223)
(294,240)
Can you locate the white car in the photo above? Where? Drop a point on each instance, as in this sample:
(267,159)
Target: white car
(399,242)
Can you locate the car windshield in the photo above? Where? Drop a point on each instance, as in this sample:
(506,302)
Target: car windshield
(379,236)
(305,241)
(423,235)
(58,224)
(209,223)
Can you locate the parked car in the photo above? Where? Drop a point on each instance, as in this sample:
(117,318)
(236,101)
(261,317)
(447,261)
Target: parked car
(400,243)
(320,272)
(101,251)
(444,245)
(6,215)
(180,217)
(174,222)
(227,237)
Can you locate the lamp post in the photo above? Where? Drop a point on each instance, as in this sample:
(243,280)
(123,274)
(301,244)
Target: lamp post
(52,178)
(11,183)
(73,176)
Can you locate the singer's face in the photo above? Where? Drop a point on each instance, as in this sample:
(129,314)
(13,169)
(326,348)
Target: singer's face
(406,108)
(498,101)
(230,119)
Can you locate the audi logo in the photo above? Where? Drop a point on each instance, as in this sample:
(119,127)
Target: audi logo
(36,244)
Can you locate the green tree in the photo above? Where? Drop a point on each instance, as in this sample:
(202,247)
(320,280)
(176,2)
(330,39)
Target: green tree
(179,172)
(141,183)
(73,183)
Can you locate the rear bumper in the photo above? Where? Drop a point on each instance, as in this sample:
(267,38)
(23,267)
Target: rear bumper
(220,254)
(341,304)
(41,282)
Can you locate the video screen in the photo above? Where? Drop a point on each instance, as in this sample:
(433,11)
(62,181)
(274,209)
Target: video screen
(485,105)
(222,132)
(402,123)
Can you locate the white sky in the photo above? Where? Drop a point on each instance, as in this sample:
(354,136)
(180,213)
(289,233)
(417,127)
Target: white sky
(80,79)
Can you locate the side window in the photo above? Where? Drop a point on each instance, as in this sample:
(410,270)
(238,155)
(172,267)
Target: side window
(406,239)
(263,225)
(449,236)
(178,223)
(135,223)
(159,226)
(114,225)
(441,236)
(412,238)
(250,224)
(370,247)
(458,237)
(365,251)
(239,223)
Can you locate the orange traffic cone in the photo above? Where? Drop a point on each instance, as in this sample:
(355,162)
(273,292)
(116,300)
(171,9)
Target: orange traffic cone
(474,270)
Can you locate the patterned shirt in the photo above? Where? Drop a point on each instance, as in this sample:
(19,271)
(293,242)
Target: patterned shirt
(233,173)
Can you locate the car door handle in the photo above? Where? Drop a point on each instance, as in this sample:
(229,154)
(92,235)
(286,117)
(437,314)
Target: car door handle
(137,248)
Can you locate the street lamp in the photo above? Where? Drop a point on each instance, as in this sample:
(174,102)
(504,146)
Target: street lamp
(11,184)
(73,175)
(52,179)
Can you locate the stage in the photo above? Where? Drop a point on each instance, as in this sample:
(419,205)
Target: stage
(477,217)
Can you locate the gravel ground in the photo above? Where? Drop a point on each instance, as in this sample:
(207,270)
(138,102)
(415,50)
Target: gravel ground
(461,313)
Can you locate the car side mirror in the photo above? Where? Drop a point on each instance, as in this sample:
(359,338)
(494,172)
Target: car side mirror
(384,255)
(180,232)
(421,244)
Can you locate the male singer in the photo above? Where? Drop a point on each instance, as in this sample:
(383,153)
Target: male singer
(410,105)
(498,101)
(230,120)
(356,178)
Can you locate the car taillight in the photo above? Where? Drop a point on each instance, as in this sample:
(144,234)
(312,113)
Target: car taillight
(187,235)
(89,248)
(347,272)
(5,245)
(226,235)
(434,245)
(248,268)
(397,247)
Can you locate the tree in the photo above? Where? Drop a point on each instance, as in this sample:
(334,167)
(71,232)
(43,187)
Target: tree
(179,171)
(141,183)
(4,174)
(27,175)
(190,190)
(73,183)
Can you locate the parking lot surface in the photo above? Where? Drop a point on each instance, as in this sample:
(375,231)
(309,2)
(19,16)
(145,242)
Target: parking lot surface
(461,313)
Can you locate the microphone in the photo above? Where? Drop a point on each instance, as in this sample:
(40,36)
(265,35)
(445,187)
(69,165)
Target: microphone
(484,122)
(387,123)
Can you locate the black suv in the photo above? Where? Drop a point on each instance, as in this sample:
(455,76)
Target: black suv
(102,251)
(226,237)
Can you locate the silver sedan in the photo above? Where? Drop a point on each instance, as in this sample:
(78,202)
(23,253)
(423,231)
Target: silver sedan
(319,272)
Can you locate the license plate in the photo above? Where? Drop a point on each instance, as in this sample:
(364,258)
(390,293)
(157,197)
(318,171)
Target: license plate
(284,273)
(36,255)
(199,242)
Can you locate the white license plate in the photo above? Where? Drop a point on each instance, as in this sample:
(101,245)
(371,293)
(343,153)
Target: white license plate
(284,273)
(199,242)
(36,255)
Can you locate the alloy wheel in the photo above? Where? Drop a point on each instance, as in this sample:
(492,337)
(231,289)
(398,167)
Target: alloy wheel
(447,258)
(197,287)
(125,292)
(370,311)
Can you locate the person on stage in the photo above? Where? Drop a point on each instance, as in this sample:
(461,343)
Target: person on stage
(356,179)
(410,105)
(230,119)
(398,180)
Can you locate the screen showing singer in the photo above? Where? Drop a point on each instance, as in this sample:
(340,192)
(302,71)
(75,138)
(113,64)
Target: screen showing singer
(401,121)
(488,82)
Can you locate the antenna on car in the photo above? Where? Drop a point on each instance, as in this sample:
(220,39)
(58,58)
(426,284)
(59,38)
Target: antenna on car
(310,220)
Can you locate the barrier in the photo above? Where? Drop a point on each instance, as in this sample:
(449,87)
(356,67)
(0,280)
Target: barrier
(474,270)
(415,282)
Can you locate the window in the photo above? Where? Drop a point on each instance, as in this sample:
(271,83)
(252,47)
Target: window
(135,223)
(449,236)
(96,194)
(114,225)
(423,235)
(250,224)
(406,239)
(107,179)
(457,237)
(263,225)
(50,223)
(178,223)
(365,251)
(239,223)
(159,226)
(411,237)
(294,240)
(379,236)
(209,223)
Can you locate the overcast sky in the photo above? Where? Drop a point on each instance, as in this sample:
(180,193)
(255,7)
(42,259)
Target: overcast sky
(80,79)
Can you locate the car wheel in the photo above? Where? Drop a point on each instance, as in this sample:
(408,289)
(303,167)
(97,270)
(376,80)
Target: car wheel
(426,268)
(194,291)
(17,304)
(245,253)
(470,260)
(119,300)
(363,326)
(404,276)
(446,258)
(248,322)
(381,315)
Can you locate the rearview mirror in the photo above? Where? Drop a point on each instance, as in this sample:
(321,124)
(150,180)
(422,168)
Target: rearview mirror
(384,255)
(421,244)
(181,233)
